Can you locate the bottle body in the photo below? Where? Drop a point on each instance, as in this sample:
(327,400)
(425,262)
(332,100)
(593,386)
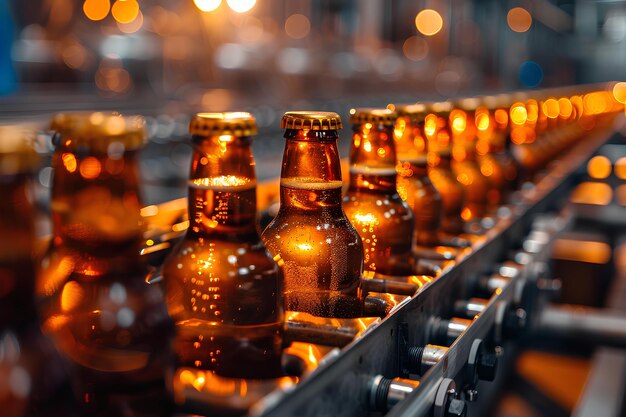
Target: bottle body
(311,238)
(223,290)
(372,203)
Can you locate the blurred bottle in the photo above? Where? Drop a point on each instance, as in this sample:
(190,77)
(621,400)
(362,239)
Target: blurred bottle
(413,183)
(464,161)
(437,132)
(311,238)
(31,376)
(372,203)
(93,294)
(223,289)
(493,148)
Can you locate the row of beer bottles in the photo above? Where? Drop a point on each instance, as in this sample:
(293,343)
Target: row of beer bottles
(224,291)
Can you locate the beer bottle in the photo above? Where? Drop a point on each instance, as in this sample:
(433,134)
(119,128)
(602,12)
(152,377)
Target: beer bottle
(311,238)
(223,289)
(464,164)
(413,183)
(95,302)
(493,149)
(437,132)
(380,216)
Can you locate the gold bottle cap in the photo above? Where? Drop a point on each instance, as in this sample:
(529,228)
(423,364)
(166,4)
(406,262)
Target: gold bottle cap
(17,154)
(385,117)
(311,120)
(441,108)
(416,112)
(238,124)
(98,130)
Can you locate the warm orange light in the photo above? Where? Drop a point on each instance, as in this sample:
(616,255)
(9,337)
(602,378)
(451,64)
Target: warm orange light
(69,162)
(428,22)
(519,19)
(297,26)
(582,251)
(241,6)
(518,114)
(620,195)
(96,9)
(532,111)
(502,118)
(620,168)
(596,193)
(594,103)
(459,121)
(430,125)
(550,108)
(565,108)
(90,168)
(207,5)
(125,11)
(133,26)
(619,92)
(599,167)
(482,120)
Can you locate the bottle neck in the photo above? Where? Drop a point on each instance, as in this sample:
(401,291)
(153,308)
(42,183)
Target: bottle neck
(222,189)
(411,149)
(372,159)
(95,202)
(311,172)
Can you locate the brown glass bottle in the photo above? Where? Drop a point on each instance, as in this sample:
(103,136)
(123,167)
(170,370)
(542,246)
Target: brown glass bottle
(464,161)
(223,289)
(413,183)
(372,203)
(311,238)
(493,149)
(94,299)
(437,132)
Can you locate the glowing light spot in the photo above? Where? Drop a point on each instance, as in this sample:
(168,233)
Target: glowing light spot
(501,117)
(125,11)
(565,108)
(96,9)
(365,219)
(619,92)
(304,246)
(550,108)
(90,168)
(241,6)
(367,145)
(297,26)
(596,193)
(131,27)
(71,295)
(599,167)
(69,162)
(415,48)
(482,121)
(620,168)
(207,5)
(519,19)
(518,114)
(428,22)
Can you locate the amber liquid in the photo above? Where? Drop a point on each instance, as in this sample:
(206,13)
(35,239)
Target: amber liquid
(382,219)
(320,252)
(452,195)
(415,187)
(476,188)
(222,287)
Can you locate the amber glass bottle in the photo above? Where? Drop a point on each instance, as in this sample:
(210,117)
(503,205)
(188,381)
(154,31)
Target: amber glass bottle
(413,183)
(380,216)
(94,300)
(493,149)
(223,289)
(437,132)
(464,160)
(311,238)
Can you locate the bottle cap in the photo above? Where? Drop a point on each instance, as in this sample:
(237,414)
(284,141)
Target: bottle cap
(311,120)
(97,130)
(415,112)
(238,124)
(384,117)
(17,154)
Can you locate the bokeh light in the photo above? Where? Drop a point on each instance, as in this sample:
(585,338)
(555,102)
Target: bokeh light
(620,168)
(519,19)
(619,92)
(550,108)
(415,48)
(428,22)
(297,26)
(96,9)
(241,6)
(530,74)
(125,11)
(599,167)
(207,5)
(131,27)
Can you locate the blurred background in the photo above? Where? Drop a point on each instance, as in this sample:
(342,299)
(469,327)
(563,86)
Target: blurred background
(168,58)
